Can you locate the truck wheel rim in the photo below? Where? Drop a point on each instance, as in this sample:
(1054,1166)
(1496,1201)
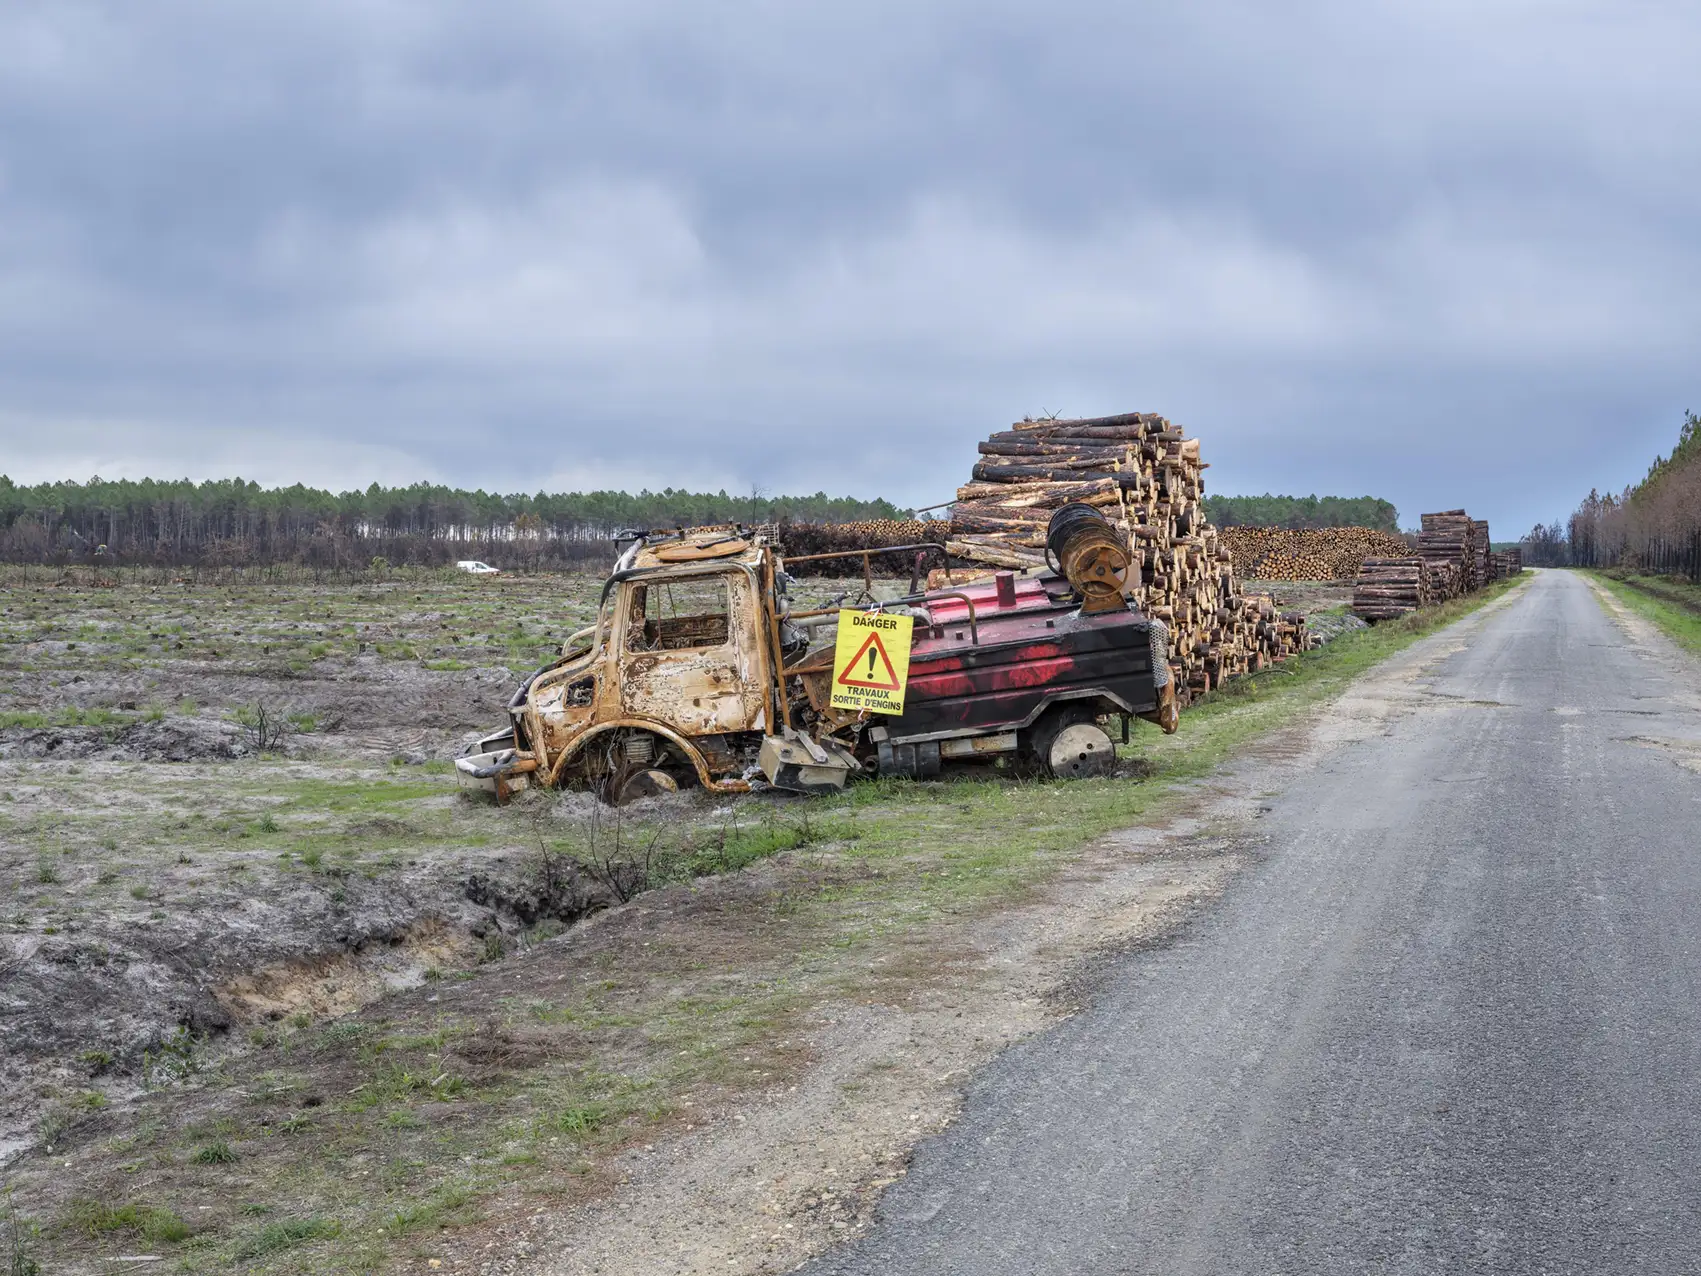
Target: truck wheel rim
(1080,750)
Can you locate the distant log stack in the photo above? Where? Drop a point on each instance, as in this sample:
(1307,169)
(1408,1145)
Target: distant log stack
(1452,559)
(1481,547)
(1505,563)
(1454,537)
(1147,478)
(1321,553)
(799,539)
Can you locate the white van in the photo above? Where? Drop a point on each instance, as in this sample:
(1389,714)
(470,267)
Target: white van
(477,568)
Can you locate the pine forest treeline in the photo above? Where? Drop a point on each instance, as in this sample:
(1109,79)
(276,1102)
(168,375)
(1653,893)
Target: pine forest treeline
(1302,512)
(231,522)
(1654,526)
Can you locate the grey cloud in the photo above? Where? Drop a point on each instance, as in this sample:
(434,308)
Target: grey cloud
(1354,247)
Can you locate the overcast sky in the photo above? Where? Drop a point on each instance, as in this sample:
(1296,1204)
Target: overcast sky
(1438,251)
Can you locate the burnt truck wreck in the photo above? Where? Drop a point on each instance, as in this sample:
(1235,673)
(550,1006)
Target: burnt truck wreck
(699,670)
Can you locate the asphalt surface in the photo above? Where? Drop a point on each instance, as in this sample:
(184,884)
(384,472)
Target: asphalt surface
(1450,1022)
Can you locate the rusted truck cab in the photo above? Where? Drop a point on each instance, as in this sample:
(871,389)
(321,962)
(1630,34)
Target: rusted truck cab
(676,680)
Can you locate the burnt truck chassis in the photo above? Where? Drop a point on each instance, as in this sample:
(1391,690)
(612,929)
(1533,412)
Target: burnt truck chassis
(1028,666)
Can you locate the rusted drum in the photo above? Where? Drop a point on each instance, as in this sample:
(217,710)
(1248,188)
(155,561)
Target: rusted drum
(1091,554)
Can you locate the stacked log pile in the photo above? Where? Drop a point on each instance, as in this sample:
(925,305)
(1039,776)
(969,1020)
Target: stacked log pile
(799,539)
(1147,478)
(1452,536)
(1390,587)
(1322,553)
(1452,559)
(1480,548)
(1505,563)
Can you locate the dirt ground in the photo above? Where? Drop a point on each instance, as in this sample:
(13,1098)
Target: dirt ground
(304,1004)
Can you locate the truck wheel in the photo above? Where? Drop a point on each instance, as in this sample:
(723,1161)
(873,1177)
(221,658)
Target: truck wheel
(1071,745)
(643,784)
(633,764)
(1080,750)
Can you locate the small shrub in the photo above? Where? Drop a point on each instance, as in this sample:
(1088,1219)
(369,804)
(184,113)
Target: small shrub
(262,728)
(337,1033)
(19,1239)
(175,1059)
(219,1153)
(55,1125)
(441,1210)
(267,823)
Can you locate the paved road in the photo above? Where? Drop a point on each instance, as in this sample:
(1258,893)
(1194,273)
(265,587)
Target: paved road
(1451,1022)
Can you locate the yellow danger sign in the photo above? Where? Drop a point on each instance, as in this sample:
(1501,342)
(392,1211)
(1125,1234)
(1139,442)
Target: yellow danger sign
(871,661)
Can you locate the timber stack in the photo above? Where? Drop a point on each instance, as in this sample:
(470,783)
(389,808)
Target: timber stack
(1452,559)
(1453,537)
(1390,587)
(1503,564)
(1313,553)
(1147,479)
(798,539)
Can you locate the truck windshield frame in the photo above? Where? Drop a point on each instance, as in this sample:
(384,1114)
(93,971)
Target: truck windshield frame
(679,613)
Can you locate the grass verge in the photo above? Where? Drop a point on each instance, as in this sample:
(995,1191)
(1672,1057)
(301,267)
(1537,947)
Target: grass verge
(1670,602)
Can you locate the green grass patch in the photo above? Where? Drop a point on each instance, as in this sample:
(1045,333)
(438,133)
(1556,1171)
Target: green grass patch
(146,1222)
(1671,602)
(394,1083)
(444,1208)
(274,1238)
(329,797)
(578,1122)
(733,845)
